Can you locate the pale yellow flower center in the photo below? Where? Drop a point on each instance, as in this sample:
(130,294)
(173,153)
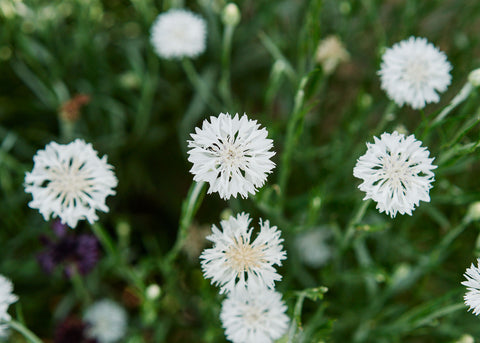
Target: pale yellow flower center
(242,256)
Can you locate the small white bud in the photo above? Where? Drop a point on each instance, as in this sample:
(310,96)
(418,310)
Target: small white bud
(153,291)
(474,77)
(473,212)
(231,14)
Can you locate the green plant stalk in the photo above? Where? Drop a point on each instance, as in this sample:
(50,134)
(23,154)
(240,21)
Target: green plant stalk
(457,100)
(189,208)
(350,232)
(225,85)
(278,56)
(290,143)
(199,85)
(105,240)
(22,329)
(144,110)
(79,287)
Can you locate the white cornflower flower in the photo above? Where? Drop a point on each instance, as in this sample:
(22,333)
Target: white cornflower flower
(6,299)
(472,297)
(313,247)
(254,315)
(231,154)
(70,182)
(396,173)
(107,321)
(178,33)
(235,262)
(414,71)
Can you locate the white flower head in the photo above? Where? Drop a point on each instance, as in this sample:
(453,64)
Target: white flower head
(330,53)
(472,297)
(313,247)
(70,182)
(235,262)
(6,299)
(178,33)
(231,154)
(107,321)
(254,315)
(396,173)
(414,71)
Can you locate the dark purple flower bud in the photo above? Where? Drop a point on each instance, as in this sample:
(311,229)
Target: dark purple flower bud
(73,251)
(72,330)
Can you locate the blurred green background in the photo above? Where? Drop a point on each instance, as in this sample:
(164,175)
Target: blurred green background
(388,280)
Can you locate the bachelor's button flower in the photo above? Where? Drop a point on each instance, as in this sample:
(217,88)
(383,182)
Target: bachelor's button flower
(234,261)
(178,33)
(107,321)
(472,297)
(231,154)
(6,299)
(70,182)
(396,173)
(75,252)
(254,315)
(414,71)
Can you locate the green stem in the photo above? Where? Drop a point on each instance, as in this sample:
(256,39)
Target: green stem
(199,85)
(224,85)
(350,232)
(189,208)
(290,141)
(79,287)
(457,100)
(29,335)
(105,240)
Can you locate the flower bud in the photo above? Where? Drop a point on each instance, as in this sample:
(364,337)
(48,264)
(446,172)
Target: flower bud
(231,14)
(474,77)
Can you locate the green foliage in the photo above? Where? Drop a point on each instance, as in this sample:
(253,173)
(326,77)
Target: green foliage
(388,280)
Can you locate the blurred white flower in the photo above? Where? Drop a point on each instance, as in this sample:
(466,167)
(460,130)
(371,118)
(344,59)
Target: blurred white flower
(414,71)
(330,53)
(178,33)
(70,182)
(235,262)
(396,173)
(313,247)
(472,297)
(254,315)
(107,321)
(6,299)
(231,154)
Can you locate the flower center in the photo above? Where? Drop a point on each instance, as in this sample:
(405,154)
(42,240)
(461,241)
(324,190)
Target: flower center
(396,170)
(241,256)
(416,72)
(231,155)
(252,315)
(69,180)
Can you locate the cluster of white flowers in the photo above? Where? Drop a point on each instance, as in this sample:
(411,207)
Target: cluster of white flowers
(6,299)
(107,321)
(252,311)
(70,182)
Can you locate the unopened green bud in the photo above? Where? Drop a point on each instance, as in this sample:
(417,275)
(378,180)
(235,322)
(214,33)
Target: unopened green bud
(474,77)
(231,14)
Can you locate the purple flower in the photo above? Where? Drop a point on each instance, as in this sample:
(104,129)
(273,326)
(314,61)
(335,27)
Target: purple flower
(74,251)
(72,330)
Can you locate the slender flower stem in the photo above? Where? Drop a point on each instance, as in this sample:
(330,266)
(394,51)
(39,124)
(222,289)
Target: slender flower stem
(189,208)
(200,86)
(29,335)
(351,226)
(104,239)
(457,100)
(79,287)
(224,85)
(290,141)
